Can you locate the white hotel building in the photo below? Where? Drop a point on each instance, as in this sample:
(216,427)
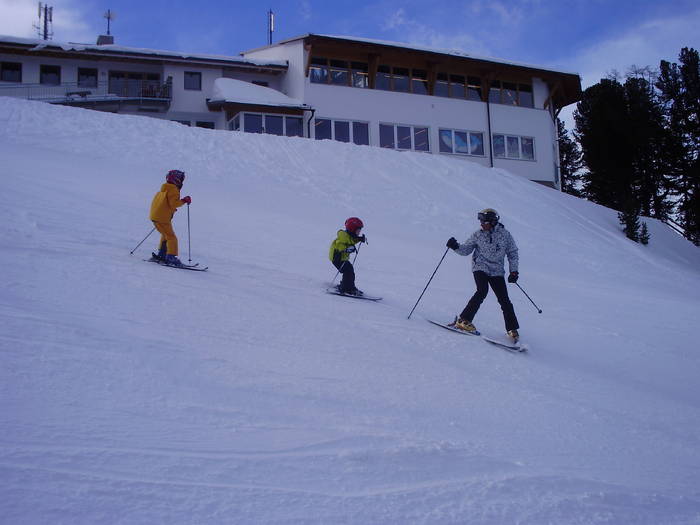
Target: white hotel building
(369,92)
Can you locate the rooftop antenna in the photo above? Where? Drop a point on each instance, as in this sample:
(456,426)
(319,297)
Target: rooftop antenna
(45,23)
(270,26)
(109,15)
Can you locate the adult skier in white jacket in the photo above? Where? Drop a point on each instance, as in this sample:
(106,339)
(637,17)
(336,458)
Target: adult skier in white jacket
(489,246)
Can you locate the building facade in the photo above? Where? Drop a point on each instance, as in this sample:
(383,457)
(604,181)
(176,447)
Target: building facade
(367,92)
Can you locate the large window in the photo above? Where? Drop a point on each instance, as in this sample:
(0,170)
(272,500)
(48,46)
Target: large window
(193,81)
(458,86)
(50,75)
(513,147)
(282,125)
(87,77)
(402,79)
(133,84)
(404,137)
(511,93)
(338,72)
(10,72)
(461,142)
(342,130)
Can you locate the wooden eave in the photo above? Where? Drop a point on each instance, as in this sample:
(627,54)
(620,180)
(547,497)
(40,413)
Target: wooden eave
(233,108)
(569,90)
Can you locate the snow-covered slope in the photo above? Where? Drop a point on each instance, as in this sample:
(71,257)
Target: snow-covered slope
(137,394)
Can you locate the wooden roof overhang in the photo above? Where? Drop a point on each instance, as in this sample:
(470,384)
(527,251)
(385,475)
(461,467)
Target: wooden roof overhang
(564,88)
(139,57)
(233,108)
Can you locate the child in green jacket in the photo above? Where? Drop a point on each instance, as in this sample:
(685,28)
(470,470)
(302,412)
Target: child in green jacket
(339,254)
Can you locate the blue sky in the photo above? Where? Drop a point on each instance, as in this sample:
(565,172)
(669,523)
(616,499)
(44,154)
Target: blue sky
(590,37)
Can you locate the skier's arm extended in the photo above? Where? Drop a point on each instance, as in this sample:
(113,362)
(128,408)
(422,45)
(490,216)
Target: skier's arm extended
(467,246)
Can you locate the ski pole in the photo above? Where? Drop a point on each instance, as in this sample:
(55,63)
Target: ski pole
(426,286)
(526,295)
(357,252)
(144,239)
(189,241)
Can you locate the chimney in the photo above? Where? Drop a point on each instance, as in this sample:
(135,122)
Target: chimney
(104,40)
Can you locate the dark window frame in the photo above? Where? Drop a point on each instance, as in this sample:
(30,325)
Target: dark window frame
(189,77)
(8,69)
(82,76)
(468,134)
(44,72)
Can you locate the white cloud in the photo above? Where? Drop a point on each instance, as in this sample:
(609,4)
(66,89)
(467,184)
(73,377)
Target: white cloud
(305,10)
(415,32)
(18,17)
(645,45)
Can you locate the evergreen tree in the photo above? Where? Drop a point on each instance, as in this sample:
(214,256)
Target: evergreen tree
(680,91)
(602,132)
(650,187)
(644,234)
(569,161)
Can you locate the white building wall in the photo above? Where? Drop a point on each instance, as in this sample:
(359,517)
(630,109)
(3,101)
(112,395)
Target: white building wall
(293,82)
(377,106)
(526,122)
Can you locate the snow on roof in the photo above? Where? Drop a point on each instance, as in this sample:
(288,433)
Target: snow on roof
(111,48)
(416,47)
(242,92)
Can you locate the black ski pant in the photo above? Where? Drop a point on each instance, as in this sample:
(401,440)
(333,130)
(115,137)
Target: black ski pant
(347,284)
(498,285)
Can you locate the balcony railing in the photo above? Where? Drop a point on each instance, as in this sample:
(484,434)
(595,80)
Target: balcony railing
(116,90)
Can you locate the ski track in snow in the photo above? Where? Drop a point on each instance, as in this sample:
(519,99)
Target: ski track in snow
(245,394)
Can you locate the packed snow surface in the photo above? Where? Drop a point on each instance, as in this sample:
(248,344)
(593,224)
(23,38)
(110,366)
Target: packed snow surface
(139,394)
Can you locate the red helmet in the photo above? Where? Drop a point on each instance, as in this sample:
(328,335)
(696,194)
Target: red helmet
(176,177)
(353,224)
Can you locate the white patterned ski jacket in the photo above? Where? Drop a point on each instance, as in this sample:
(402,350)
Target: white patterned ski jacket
(490,248)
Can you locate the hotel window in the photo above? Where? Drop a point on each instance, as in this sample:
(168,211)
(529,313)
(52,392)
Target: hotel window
(50,75)
(474,88)
(342,131)
(205,124)
(383,78)
(293,127)
(360,75)
(513,147)
(457,86)
(318,71)
(400,76)
(338,72)
(419,81)
(87,77)
(461,142)
(442,85)
(402,79)
(193,81)
(271,124)
(511,93)
(10,72)
(404,137)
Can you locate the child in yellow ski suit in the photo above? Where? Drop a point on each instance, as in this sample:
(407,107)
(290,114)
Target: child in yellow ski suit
(164,205)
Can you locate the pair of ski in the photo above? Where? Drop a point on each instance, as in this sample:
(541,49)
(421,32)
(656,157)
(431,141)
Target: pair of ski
(515,347)
(193,267)
(333,290)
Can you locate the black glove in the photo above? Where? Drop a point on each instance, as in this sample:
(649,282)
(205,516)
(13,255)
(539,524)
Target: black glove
(513,277)
(452,243)
(349,249)
(363,238)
